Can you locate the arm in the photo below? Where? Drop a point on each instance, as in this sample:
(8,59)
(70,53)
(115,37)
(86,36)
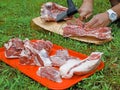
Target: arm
(117,9)
(86,9)
(102,19)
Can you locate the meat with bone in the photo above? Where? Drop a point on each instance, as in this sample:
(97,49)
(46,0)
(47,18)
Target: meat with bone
(60,57)
(50,73)
(13,48)
(78,29)
(50,10)
(80,67)
(35,54)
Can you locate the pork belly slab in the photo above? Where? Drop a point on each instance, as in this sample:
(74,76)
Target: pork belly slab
(50,73)
(80,67)
(77,29)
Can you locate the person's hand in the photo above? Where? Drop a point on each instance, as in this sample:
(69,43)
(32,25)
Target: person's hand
(99,20)
(86,10)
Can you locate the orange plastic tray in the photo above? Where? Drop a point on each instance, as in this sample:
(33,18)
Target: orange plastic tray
(30,71)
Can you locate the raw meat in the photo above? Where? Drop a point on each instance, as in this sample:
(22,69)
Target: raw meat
(80,67)
(50,73)
(60,57)
(13,48)
(50,10)
(35,53)
(40,44)
(77,29)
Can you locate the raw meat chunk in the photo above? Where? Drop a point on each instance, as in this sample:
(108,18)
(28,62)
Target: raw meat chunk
(35,53)
(50,73)
(60,57)
(13,48)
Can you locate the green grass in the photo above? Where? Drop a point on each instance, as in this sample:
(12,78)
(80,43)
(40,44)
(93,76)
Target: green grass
(15,18)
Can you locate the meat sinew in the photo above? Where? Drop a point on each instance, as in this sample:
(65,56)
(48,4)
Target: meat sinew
(80,67)
(50,73)
(78,29)
(50,10)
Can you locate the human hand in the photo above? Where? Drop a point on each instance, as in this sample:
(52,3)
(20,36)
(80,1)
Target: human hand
(86,10)
(99,20)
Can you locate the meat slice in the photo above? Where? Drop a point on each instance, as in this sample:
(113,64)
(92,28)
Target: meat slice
(50,10)
(50,73)
(77,29)
(80,67)
(13,48)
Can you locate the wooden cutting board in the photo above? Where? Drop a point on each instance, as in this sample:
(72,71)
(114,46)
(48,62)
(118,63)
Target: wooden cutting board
(38,24)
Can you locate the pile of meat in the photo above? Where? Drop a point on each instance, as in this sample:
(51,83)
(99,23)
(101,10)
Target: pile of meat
(29,53)
(50,10)
(54,67)
(78,29)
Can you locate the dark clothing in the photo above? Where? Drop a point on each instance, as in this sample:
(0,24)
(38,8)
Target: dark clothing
(114,2)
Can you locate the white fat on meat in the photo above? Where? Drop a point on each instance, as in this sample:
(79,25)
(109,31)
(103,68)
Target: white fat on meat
(50,73)
(64,69)
(44,57)
(39,57)
(80,67)
(8,45)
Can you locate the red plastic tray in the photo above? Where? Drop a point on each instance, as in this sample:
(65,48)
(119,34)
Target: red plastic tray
(30,71)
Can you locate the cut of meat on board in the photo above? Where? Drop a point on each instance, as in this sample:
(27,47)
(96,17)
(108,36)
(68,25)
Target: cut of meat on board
(50,73)
(80,67)
(77,29)
(55,27)
(50,10)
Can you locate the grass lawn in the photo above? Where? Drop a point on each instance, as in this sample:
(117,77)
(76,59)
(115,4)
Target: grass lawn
(15,18)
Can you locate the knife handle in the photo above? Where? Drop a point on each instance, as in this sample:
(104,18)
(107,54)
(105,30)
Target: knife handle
(71,8)
(70,4)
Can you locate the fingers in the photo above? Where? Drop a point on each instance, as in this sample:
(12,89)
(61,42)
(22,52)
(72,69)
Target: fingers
(92,23)
(87,16)
(84,14)
(96,22)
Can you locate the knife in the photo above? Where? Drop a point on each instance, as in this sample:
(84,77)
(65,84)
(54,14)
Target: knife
(69,12)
